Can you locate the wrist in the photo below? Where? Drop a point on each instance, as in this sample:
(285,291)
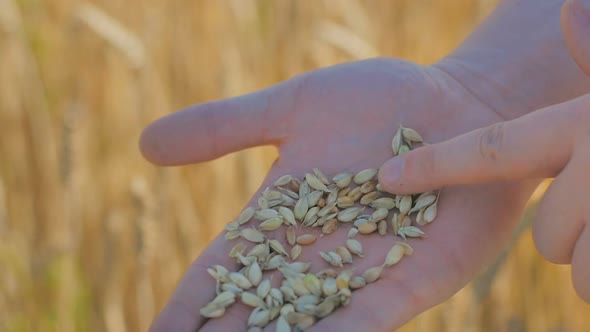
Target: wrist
(517,61)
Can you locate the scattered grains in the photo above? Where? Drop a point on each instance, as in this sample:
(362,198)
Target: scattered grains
(314,197)
(254,273)
(355,247)
(315,183)
(364,175)
(411,135)
(240,280)
(320,175)
(352,233)
(301,207)
(344,254)
(288,215)
(349,214)
(252,235)
(306,239)
(372,274)
(291,236)
(263,289)
(331,257)
(342,180)
(368,198)
(245,216)
(252,300)
(330,226)
(405,204)
(383,202)
(230,235)
(367,227)
(283,180)
(430,213)
(382,227)
(394,255)
(357,282)
(316,201)
(271,224)
(295,251)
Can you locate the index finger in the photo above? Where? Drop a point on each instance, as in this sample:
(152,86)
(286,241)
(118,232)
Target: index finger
(536,145)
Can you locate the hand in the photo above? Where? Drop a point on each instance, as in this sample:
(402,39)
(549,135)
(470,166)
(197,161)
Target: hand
(552,142)
(548,143)
(337,119)
(343,118)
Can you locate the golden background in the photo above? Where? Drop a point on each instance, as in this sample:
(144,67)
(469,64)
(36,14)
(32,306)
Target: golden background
(93,238)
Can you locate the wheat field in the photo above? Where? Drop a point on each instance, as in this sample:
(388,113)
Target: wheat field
(93,238)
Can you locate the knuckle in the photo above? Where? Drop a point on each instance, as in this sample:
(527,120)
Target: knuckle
(490,142)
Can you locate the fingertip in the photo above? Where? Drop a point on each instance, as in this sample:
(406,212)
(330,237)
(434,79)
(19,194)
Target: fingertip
(390,174)
(149,146)
(409,173)
(414,172)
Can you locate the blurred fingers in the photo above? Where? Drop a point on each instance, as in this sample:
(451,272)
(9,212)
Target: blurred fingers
(581,263)
(575,23)
(561,231)
(559,217)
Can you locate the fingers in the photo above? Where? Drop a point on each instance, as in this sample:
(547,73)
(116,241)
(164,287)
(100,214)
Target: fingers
(575,23)
(559,220)
(535,145)
(561,231)
(581,265)
(207,131)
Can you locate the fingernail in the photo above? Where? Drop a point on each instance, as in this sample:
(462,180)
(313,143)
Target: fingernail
(392,171)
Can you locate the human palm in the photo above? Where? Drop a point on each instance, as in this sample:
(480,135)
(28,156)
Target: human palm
(343,118)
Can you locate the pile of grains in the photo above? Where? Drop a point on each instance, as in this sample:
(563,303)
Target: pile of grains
(315,201)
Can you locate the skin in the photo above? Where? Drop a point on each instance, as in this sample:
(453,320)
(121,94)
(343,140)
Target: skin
(337,119)
(518,149)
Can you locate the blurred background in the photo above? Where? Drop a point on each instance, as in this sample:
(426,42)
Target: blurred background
(93,238)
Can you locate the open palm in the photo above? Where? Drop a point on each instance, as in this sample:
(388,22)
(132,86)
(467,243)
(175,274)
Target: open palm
(338,119)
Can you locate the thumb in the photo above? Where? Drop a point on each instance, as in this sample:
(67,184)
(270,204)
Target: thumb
(575,23)
(211,130)
(533,146)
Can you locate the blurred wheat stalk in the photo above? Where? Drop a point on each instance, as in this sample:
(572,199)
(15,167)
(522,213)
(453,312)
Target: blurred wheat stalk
(92,238)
